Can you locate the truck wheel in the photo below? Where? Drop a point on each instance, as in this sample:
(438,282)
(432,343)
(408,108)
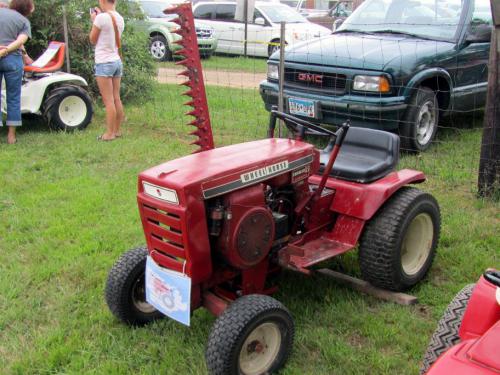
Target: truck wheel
(158,47)
(446,333)
(273,48)
(399,243)
(68,108)
(125,289)
(253,336)
(421,120)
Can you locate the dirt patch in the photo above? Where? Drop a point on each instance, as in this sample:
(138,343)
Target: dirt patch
(224,78)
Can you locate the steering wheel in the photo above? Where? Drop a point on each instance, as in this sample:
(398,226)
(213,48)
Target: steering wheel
(296,125)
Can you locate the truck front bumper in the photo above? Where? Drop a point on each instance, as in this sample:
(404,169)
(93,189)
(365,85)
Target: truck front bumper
(367,111)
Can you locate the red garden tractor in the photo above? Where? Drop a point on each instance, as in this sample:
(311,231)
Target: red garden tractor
(222,223)
(467,338)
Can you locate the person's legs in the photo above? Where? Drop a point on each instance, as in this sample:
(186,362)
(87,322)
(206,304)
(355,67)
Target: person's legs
(118,105)
(106,89)
(13,73)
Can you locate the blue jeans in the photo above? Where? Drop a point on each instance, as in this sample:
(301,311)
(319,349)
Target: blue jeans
(11,68)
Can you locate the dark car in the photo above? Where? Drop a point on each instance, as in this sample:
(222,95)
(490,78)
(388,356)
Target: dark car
(392,65)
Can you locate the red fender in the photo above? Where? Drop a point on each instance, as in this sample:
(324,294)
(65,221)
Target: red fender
(357,203)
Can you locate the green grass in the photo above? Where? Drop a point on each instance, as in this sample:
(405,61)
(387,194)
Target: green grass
(233,63)
(68,210)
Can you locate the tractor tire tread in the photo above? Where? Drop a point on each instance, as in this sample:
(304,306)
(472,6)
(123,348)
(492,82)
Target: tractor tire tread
(229,327)
(381,237)
(52,99)
(116,299)
(446,333)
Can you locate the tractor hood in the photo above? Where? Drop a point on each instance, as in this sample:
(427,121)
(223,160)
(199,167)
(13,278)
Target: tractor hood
(385,52)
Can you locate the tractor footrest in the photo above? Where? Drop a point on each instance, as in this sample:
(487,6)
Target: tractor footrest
(314,252)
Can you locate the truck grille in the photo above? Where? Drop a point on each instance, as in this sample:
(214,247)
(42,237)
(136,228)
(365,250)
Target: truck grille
(163,232)
(203,33)
(320,81)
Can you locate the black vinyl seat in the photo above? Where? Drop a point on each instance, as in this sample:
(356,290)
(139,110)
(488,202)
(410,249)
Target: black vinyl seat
(365,156)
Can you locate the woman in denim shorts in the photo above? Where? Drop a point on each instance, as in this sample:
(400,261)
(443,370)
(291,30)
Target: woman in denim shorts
(106,33)
(15,29)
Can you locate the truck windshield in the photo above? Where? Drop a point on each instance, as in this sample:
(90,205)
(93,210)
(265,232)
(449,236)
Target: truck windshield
(430,19)
(279,12)
(154,9)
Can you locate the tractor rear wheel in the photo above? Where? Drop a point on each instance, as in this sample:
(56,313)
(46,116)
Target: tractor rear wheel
(126,289)
(253,336)
(446,333)
(68,108)
(399,243)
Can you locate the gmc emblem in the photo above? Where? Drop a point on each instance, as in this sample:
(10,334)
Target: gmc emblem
(309,77)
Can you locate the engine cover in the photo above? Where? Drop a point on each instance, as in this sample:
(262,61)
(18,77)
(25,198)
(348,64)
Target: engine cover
(248,228)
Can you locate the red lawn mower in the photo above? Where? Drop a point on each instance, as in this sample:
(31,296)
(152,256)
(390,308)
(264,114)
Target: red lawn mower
(467,338)
(220,224)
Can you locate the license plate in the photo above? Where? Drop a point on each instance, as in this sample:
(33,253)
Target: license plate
(168,291)
(302,107)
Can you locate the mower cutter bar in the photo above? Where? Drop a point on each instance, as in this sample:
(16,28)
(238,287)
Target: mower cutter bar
(191,61)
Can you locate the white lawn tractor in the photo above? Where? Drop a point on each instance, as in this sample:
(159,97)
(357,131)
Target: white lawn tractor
(61,98)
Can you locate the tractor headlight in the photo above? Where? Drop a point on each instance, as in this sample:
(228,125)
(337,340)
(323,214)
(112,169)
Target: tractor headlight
(371,84)
(273,71)
(158,192)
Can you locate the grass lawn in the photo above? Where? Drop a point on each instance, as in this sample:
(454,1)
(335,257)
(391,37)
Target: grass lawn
(229,62)
(68,210)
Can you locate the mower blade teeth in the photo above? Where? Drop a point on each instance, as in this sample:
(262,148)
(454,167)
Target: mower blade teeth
(187,83)
(182,62)
(194,73)
(192,113)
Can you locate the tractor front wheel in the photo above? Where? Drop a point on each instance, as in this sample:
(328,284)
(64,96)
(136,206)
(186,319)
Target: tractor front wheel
(253,336)
(126,289)
(68,108)
(399,243)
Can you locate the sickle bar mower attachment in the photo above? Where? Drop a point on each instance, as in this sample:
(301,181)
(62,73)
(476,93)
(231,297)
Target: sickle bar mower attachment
(194,74)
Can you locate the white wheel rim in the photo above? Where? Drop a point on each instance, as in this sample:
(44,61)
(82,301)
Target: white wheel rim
(417,244)
(158,49)
(72,111)
(260,349)
(426,122)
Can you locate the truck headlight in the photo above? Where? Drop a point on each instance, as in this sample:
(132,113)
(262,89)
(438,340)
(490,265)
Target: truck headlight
(273,71)
(372,84)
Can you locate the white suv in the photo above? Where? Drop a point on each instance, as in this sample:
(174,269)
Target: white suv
(264,29)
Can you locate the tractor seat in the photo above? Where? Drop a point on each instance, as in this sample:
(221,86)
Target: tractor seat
(365,156)
(50,61)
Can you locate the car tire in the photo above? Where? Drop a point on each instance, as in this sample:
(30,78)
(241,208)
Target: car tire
(68,108)
(420,122)
(446,333)
(399,243)
(125,289)
(254,335)
(273,48)
(158,47)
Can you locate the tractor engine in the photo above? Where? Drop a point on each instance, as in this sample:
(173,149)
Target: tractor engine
(248,228)
(246,223)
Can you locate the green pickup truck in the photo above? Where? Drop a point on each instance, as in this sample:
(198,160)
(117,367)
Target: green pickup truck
(392,65)
(158,26)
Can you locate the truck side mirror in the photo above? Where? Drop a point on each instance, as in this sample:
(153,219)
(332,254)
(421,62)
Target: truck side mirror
(479,34)
(337,24)
(260,21)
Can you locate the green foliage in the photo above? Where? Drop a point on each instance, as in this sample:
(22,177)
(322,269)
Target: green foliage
(47,25)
